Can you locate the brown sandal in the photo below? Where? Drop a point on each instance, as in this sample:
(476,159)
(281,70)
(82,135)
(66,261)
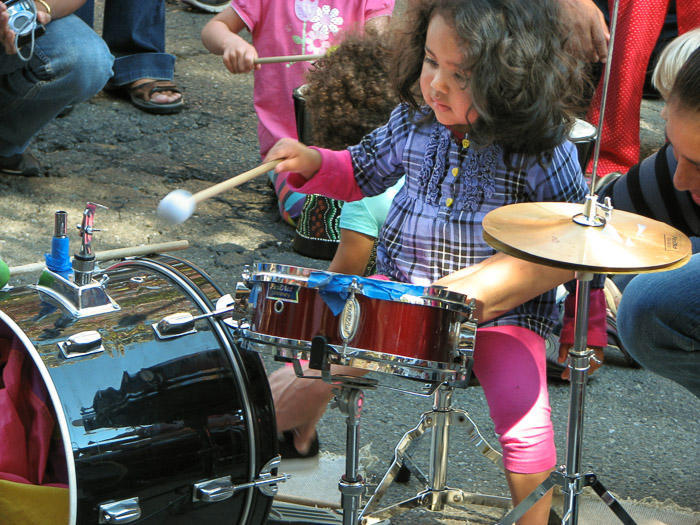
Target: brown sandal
(141,97)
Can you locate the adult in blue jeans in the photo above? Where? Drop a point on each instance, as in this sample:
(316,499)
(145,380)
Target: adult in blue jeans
(70,63)
(659,314)
(135,33)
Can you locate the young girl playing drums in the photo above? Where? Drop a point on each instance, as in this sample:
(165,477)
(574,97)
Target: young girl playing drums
(487,105)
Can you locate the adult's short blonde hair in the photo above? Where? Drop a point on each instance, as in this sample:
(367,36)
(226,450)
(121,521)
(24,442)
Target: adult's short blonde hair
(672,58)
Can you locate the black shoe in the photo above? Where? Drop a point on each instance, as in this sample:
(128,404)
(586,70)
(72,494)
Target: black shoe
(210,6)
(23,164)
(65,112)
(318,228)
(288,451)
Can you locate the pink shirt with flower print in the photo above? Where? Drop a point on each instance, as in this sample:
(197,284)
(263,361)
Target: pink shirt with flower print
(295,27)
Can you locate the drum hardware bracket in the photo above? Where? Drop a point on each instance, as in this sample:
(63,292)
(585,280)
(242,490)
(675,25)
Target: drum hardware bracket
(182,323)
(437,495)
(220,489)
(240,307)
(84,260)
(572,486)
(124,511)
(590,216)
(81,344)
(80,301)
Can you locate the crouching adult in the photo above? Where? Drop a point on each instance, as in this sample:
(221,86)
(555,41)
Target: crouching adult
(67,64)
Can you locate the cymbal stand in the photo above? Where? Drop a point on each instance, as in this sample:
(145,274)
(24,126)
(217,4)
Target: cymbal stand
(568,475)
(437,494)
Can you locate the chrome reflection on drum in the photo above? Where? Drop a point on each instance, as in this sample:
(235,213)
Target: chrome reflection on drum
(154,429)
(583,135)
(423,333)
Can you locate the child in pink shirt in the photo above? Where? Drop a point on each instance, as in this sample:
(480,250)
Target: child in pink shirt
(282,28)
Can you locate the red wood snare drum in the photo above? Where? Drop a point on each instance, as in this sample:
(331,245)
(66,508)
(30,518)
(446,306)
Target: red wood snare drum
(402,329)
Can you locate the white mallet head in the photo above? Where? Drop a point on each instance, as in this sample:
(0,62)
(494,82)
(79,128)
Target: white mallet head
(177,206)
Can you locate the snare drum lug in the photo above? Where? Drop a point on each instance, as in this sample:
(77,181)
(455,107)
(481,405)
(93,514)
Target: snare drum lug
(213,490)
(82,343)
(124,511)
(467,337)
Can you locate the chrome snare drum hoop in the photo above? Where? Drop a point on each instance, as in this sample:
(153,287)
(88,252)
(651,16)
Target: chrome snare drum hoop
(401,329)
(149,424)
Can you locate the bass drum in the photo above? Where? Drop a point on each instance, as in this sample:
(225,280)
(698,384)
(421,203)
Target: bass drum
(152,428)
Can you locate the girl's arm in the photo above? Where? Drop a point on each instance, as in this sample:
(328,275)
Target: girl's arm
(502,282)
(353,253)
(220,37)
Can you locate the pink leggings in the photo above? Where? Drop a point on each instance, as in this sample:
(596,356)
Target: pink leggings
(509,362)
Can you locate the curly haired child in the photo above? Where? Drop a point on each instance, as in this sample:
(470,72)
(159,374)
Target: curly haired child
(347,95)
(299,27)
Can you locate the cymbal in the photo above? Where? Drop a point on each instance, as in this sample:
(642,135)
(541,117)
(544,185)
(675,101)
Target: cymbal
(546,233)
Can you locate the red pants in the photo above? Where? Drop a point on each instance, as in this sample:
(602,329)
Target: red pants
(639,24)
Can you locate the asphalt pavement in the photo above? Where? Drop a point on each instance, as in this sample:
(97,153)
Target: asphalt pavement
(641,432)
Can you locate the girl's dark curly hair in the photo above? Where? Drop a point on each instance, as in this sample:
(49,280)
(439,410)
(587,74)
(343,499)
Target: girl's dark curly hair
(525,88)
(349,93)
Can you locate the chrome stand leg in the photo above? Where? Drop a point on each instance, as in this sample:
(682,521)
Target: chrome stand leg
(437,494)
(351,485)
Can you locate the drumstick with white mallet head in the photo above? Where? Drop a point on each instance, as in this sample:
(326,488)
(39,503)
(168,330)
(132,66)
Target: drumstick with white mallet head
(179,205)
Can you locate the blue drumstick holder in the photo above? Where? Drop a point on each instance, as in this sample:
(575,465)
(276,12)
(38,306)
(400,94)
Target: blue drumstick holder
(58,260)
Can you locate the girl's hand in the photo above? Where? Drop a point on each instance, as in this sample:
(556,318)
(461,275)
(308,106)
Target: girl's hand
(596,360)
(298,158)
(239,57)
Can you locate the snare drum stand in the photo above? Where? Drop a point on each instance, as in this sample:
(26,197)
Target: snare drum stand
(349,397)
(568,475)
(437,494)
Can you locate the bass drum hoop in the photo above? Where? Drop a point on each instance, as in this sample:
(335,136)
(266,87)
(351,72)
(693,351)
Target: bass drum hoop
(207,306)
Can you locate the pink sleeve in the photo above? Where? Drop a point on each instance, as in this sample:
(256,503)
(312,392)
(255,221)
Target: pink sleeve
(248,11)
(376,8)
(335,178)
(597,319)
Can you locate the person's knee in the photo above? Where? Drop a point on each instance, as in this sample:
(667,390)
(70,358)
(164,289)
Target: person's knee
(79,62)
(93,69)
(638,322)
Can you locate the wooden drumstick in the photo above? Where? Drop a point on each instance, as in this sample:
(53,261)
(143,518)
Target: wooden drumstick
(290,58)
(179,205)
(117,253)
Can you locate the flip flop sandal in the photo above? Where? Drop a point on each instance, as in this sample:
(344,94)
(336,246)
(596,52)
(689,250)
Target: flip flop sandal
(141,97)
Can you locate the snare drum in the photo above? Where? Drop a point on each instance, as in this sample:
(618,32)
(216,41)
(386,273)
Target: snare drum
(583,135)
(401,329)
(165,425)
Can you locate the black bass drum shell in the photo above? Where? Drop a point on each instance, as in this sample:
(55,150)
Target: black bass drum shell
(149,417)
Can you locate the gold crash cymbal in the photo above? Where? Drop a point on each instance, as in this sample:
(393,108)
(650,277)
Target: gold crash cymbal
(546,233)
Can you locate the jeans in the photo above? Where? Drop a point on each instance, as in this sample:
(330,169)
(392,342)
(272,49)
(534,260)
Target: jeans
(659,323)
(135,33)
(70,64)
